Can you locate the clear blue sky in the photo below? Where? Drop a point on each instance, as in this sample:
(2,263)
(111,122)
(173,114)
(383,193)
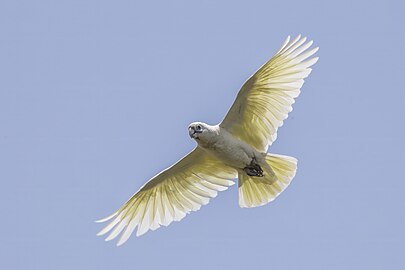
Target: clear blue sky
(96,97)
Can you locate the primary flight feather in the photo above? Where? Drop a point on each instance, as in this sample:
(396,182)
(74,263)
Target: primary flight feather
(235,148)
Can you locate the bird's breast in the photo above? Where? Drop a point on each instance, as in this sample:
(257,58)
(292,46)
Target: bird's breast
(232,151)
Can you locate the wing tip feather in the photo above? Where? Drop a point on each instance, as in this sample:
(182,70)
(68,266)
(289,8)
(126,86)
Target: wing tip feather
(106,218)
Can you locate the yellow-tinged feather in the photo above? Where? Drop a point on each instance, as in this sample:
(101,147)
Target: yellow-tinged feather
(257,191)
(170,195)
(265,100)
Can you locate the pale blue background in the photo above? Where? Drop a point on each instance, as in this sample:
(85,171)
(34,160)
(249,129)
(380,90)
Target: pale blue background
(96,96)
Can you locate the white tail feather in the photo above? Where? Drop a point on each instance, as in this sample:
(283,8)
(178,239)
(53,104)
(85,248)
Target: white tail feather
(258,191)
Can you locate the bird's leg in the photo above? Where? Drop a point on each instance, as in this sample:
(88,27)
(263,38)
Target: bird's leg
(254,169)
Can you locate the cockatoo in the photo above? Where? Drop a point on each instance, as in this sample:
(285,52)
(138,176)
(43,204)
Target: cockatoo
(235,148)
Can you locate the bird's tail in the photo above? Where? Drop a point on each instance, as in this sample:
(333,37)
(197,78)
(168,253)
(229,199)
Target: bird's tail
(278,172)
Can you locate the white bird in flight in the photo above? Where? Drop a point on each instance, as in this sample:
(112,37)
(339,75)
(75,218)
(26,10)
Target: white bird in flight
(235,148)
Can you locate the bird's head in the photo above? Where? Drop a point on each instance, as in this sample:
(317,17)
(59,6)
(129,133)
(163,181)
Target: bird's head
(201,132)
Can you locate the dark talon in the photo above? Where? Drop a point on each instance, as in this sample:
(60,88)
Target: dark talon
(254,169)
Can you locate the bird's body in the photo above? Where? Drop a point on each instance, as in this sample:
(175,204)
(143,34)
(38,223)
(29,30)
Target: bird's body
(221,144)
(235,148)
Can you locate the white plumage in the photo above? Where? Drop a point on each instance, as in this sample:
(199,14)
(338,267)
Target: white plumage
(237,147)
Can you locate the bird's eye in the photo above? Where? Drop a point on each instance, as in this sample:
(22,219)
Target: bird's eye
(198,127)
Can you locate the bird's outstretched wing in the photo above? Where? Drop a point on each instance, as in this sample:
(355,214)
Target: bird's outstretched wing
(266,98)
(170,195)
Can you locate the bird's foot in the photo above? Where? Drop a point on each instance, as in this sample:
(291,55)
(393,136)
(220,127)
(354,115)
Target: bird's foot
(254,169)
